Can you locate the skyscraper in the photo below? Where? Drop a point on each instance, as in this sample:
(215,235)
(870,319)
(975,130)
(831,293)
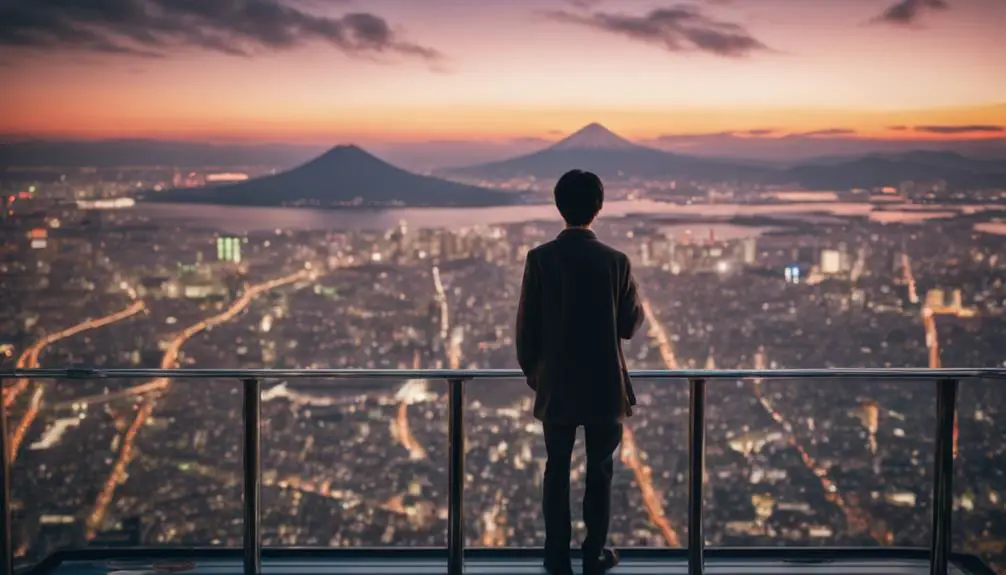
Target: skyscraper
(229,249)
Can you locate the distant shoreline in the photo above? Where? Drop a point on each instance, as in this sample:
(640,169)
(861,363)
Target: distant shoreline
(341,207)
(246,219)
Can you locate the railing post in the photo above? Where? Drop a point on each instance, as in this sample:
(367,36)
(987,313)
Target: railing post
(456,477)
(251,441)
(6,547)
(943,475)
(696,474)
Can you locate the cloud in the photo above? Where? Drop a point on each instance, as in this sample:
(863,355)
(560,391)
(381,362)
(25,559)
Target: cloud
(153,28)
(678,28)
(899,128)
(906,12)
(735,134)
(824,132)
(966,129)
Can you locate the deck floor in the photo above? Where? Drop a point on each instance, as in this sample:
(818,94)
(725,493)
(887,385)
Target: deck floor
(481,566)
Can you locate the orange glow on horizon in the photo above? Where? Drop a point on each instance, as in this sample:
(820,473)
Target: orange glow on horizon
(493,124)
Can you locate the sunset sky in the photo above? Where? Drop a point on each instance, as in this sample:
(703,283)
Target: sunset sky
(401,71)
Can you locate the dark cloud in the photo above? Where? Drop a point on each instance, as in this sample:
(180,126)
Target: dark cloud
(741,134)
(682,138)
(153,28)
(583,3)
(824,132)
(679,28)
(966,129)
(899,128)
(905,12)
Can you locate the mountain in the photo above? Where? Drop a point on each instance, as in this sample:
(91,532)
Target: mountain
(890,169)
(594,137)
(611,156)
(342,176)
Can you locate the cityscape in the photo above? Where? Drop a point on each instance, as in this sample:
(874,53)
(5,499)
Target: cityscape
(298,184)
(912,282)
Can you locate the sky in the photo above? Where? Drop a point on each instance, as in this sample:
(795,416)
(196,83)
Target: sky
(504,75)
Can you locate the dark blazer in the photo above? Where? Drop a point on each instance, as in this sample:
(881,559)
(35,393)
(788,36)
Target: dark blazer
(578,301)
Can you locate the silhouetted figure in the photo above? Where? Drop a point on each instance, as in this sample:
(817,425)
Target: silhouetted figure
(577,302)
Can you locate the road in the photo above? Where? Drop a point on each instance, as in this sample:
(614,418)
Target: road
(855,516)
(630,450)
(158,386)
(29,358)
(493,518)
(402,431)
(858,520)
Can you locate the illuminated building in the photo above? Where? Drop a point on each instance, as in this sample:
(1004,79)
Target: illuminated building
(229,249)
(226,177)
(38,237)
(792,274)
(750,247)
(831,262)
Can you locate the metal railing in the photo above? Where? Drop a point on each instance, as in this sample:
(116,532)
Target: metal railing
(947,381)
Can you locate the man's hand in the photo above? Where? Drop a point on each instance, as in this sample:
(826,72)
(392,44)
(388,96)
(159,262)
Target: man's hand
(630,306)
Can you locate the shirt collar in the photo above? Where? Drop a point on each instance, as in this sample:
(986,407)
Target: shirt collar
(578,233)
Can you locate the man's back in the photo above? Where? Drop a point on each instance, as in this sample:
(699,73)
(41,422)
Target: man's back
(578,302)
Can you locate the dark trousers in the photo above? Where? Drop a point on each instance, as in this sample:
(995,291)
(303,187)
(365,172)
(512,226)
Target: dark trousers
(602,439)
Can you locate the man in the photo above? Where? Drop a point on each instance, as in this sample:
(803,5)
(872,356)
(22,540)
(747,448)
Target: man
(577,302)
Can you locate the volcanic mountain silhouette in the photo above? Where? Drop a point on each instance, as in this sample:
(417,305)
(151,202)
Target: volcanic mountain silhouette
(611,156)
(342,176)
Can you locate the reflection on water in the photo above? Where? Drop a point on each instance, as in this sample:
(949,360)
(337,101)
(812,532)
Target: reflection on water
(803,196)
(908,216)
(998,228)
(236,219)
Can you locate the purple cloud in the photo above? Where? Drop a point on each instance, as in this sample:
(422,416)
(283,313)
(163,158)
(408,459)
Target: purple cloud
(152,28)
(906,12)
(678,28)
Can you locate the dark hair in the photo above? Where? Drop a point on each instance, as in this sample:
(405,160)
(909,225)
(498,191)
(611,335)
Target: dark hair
(579,196)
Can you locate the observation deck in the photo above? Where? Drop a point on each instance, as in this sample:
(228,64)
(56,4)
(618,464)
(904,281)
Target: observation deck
(692,558)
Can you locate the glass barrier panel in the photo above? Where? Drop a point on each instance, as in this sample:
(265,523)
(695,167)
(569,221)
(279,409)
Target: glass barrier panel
(354,463)
(505,464)
(652,464)
(979,516)
(124,463)
(824,462)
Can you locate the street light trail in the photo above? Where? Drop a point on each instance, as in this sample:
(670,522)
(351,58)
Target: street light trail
(493,518)
(858,519)
(168,361)
(402,430)
(29,417)
(654,508)
(909,277)
(30,359)
(929,324)
(630,450)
